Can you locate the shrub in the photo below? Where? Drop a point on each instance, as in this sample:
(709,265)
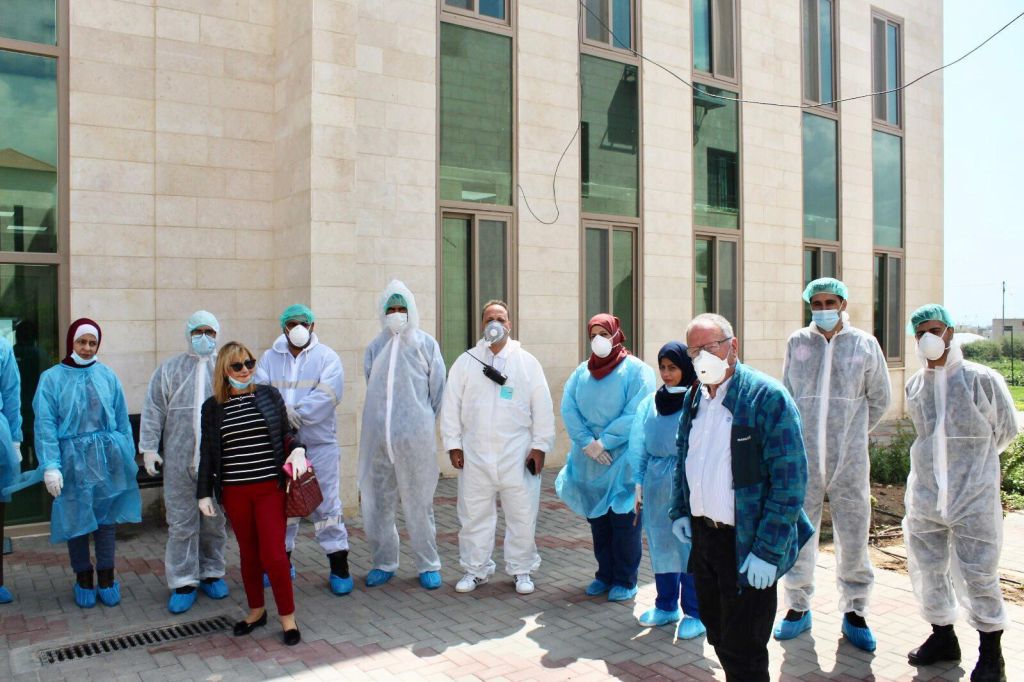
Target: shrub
(1012,465)
(890,461)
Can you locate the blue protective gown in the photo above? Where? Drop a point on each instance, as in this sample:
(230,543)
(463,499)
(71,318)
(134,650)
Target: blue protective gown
(604,410)
(653,456)
(10,417)
(82,429)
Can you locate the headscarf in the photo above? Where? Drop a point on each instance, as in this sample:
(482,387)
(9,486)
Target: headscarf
(602,367)
(670,403)
(76,330)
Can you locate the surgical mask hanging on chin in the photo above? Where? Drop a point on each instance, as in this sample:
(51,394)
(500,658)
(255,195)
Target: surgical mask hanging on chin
(676,389)
(601,346)
(203,345)
(825,319)
(298,336)
(494,332)
(396,321)
(80,361)
(931,346)
(240,384)
(710,368)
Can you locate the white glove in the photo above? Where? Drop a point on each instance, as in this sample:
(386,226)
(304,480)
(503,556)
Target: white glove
(206,507)
(682,529)
(298,461)
(54,481)
(150,460)
(17,450)
(293,417)
(596,452)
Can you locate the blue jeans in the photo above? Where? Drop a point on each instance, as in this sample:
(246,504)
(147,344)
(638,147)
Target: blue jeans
(78,550)
(676,587)
(617,548)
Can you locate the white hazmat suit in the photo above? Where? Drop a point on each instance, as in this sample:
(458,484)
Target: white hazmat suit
(405,379)
(496,427)
(964,417)
(842,390)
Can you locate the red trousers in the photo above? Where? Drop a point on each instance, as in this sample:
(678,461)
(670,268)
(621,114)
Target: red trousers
(256,512)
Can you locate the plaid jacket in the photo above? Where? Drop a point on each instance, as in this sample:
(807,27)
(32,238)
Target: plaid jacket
(769,469)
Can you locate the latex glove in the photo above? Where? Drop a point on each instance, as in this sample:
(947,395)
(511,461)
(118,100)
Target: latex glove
(682,530)
(150,460)
(298,461)
(293,417)
(206,507)
(17,450)
(639,496)
(54,481)
(760,573)
(596,452)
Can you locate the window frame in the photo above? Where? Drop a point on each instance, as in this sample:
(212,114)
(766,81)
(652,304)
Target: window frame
(889,20)
(717,235)
(713,77)
(609,50)
(819,248)
(822,245)
(602,222)
(478,20)
(821,107)
(893,358)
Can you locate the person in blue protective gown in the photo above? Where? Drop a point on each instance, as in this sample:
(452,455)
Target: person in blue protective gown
(10,439)
(599,403)
(85,448)
(653,455)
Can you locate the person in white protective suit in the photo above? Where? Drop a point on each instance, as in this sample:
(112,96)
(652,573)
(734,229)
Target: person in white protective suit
(839,379)
(170,424)
(311,380)
(497,424)
(405,377)
(964,417)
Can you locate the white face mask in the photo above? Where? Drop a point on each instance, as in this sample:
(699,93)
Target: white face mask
(80,361)
(711,369)
(299,336)
(675,389)
(396,321)
(931,346)
(601,346)
(494,332)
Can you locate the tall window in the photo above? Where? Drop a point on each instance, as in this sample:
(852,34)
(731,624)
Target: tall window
(716,277)
(610,137)
(609,23)
(818,50)
(476,169)
(714,38)
(33,206)
(610,276)
(886,70)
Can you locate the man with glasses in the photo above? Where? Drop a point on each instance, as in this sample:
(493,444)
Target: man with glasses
(837,375)
(739,489)
(170,418)
(964,417)
(311,380)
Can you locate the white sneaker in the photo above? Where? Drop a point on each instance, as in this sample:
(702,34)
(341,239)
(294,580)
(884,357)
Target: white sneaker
(524,583)
(469,582)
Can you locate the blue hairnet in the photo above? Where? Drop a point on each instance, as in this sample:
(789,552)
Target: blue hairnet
(396,300)
(930,311)
(202,318)
(825,285)
(297,311)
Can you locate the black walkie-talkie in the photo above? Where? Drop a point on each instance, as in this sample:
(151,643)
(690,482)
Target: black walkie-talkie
(489,371)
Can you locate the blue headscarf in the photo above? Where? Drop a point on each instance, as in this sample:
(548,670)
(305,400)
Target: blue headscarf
(670,403)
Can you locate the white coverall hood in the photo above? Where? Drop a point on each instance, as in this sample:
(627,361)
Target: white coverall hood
(397,287)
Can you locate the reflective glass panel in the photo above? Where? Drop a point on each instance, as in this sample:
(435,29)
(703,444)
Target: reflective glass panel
(829,264)
(887,176)
(623,299)
(610,137)
(703,299)
(894,306)
(493,266)
(728,300)
(724,51)
(456,287)
(597,20)
(493,8)
(820,165)
(811,54)
(622,24)
(461,4)
(878,308)
(702,35)
(892,74)
(31,20)
(878,81)
(715,158)
(596,272)
(826,93)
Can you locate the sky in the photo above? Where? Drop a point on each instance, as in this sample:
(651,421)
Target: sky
(984,160)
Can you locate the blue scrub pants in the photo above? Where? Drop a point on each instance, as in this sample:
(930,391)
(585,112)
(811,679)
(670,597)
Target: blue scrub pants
(78,550)
(676,588)
(617,548)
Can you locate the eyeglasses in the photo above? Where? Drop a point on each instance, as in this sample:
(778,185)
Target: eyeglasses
(237,366)
(694,351)
(196,333)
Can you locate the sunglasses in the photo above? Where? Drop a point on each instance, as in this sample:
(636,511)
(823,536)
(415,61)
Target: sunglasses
(237,366)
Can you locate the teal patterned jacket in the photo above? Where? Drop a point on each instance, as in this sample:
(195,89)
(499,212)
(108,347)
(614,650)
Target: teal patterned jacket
(769,469)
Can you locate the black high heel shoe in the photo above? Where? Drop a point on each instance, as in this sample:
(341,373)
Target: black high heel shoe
(292,637)
(244,628)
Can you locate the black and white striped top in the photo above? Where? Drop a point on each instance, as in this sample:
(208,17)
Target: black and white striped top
(247,453)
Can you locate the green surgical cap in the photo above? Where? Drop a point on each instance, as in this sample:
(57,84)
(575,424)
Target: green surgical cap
(297,312)
(202,318)
(932,311)
(396,300)
(825,285)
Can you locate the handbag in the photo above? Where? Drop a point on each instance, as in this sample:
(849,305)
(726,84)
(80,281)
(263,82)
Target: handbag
(303,495)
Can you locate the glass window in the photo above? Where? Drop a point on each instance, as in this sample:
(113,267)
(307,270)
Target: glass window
(702,35)
(817,50)
(476,116)
(610,22)
(714,37)
(609,158)
(623,304)
(820,178)
(28,153)
(32,20)
(888,304)
(704,301)
(494,9)
(716,280)
(715,158)
(596,275)
(887,181)
(818,262)
(610,266)
(885,70)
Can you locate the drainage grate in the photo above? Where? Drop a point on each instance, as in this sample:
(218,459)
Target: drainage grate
(134,640)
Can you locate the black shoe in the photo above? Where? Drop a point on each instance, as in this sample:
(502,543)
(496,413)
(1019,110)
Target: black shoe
(292,637)
(105,577)
(244,628)
(941,645)
(990,667)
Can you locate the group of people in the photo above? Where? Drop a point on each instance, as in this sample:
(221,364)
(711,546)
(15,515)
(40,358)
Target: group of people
(723,468)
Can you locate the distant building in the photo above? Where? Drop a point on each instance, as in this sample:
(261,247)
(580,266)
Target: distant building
(1001,326)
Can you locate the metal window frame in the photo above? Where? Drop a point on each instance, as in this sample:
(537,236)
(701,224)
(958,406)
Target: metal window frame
(889,19)
(608,50)
(717,235)
(713,77)
(820,108)
(894,359)
(474,19)
(593,221)
(819,247)
(827,244)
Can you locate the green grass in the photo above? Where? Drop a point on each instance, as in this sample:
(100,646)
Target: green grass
(1018,396)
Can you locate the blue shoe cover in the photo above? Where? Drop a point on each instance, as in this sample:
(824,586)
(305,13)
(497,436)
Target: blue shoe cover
(85,598)
(597,587)
(862,638)
(788,629)
(430,580)
(266,578)
(110,596)
(690,628)
(180,603)
(341,586)
(5,595)
(620,593)
(655,617)
(377,577)
(218,589)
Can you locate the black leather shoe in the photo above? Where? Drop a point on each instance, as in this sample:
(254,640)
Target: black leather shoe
(292,637)
(244,628)
(941,645)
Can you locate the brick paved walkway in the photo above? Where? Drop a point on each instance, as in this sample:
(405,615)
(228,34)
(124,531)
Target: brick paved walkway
(401,631)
